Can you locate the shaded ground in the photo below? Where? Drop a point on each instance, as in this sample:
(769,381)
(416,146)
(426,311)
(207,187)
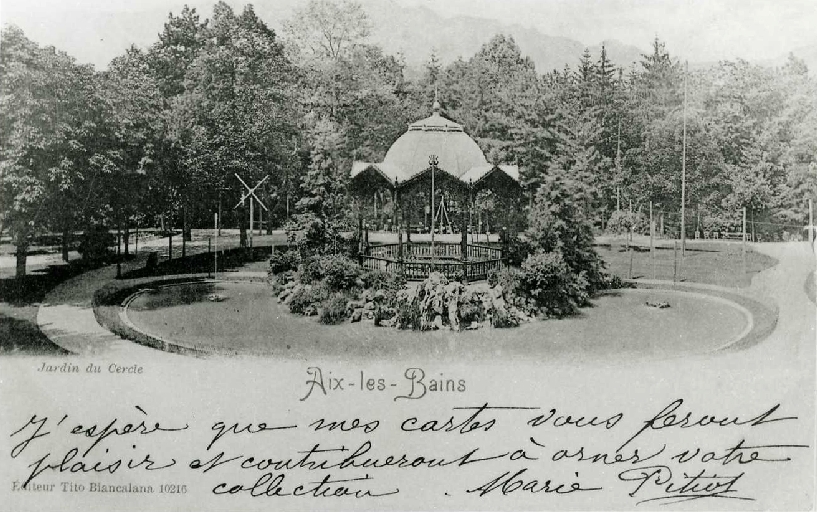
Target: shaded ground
(718,263)
(811,288)
(20,299)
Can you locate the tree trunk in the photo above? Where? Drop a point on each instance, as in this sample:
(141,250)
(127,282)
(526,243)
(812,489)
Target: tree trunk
(66,233)
(184,230)
(22,253)
(242,214)
(187,229)
(127,240)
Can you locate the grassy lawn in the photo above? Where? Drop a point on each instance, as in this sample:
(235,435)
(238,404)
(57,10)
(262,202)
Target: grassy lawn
(718,263)
(250,321)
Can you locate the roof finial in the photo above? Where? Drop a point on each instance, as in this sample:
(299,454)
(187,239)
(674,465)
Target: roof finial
(436,106)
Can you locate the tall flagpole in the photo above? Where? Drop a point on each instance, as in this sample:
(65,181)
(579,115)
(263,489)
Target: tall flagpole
(684,170)
(618,168)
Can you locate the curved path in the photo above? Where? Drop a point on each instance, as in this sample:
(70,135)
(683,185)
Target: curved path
(67,316)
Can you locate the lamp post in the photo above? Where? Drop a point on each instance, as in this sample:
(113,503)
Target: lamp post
(684,171)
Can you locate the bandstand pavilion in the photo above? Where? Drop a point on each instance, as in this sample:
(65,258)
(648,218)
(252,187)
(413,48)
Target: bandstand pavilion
(429,182)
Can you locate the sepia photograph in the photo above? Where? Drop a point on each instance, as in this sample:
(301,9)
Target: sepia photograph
(408,255)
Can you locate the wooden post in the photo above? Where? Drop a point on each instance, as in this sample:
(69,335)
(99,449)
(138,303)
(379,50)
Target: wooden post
(136,250)
(118,252)
(754,235)
(652,241)
(184,230)
(674,261)
(810,223)
(249,233)
(209,250)
(170,245)
(215,253)
(744,240)
(260,221)
(630,252)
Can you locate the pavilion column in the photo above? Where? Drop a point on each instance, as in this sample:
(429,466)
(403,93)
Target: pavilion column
(359,232)
(407,218)
(464,247)
(394,209)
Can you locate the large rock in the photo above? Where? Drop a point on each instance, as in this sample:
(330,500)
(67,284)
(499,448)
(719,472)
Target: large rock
(296,289)
(438,322)
(453,315)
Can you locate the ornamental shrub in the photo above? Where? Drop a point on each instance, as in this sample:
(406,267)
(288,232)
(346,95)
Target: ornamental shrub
(518,249)
(96,243)
(553,288)
(622,221)
(407,311)
(382,280)
(339,272)
(557,223)
(502,318)
(334,310)
(307,299)
(614,282)
(283,261)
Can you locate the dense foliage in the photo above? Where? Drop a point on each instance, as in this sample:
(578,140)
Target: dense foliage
(159,136)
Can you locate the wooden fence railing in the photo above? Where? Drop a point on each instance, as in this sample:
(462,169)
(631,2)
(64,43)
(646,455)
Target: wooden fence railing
(441,250)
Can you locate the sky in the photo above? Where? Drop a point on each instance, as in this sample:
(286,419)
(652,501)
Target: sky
(697,30)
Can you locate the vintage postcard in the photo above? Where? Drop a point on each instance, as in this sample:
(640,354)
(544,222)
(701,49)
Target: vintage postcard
(407,255)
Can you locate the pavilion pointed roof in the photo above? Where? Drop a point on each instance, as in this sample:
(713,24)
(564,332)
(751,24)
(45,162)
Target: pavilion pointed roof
(459,155)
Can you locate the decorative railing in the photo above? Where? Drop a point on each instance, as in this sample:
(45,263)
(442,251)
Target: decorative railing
(418,261)
(441,250)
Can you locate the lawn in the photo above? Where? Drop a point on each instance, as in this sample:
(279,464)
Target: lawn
(248,320)
(718,263)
